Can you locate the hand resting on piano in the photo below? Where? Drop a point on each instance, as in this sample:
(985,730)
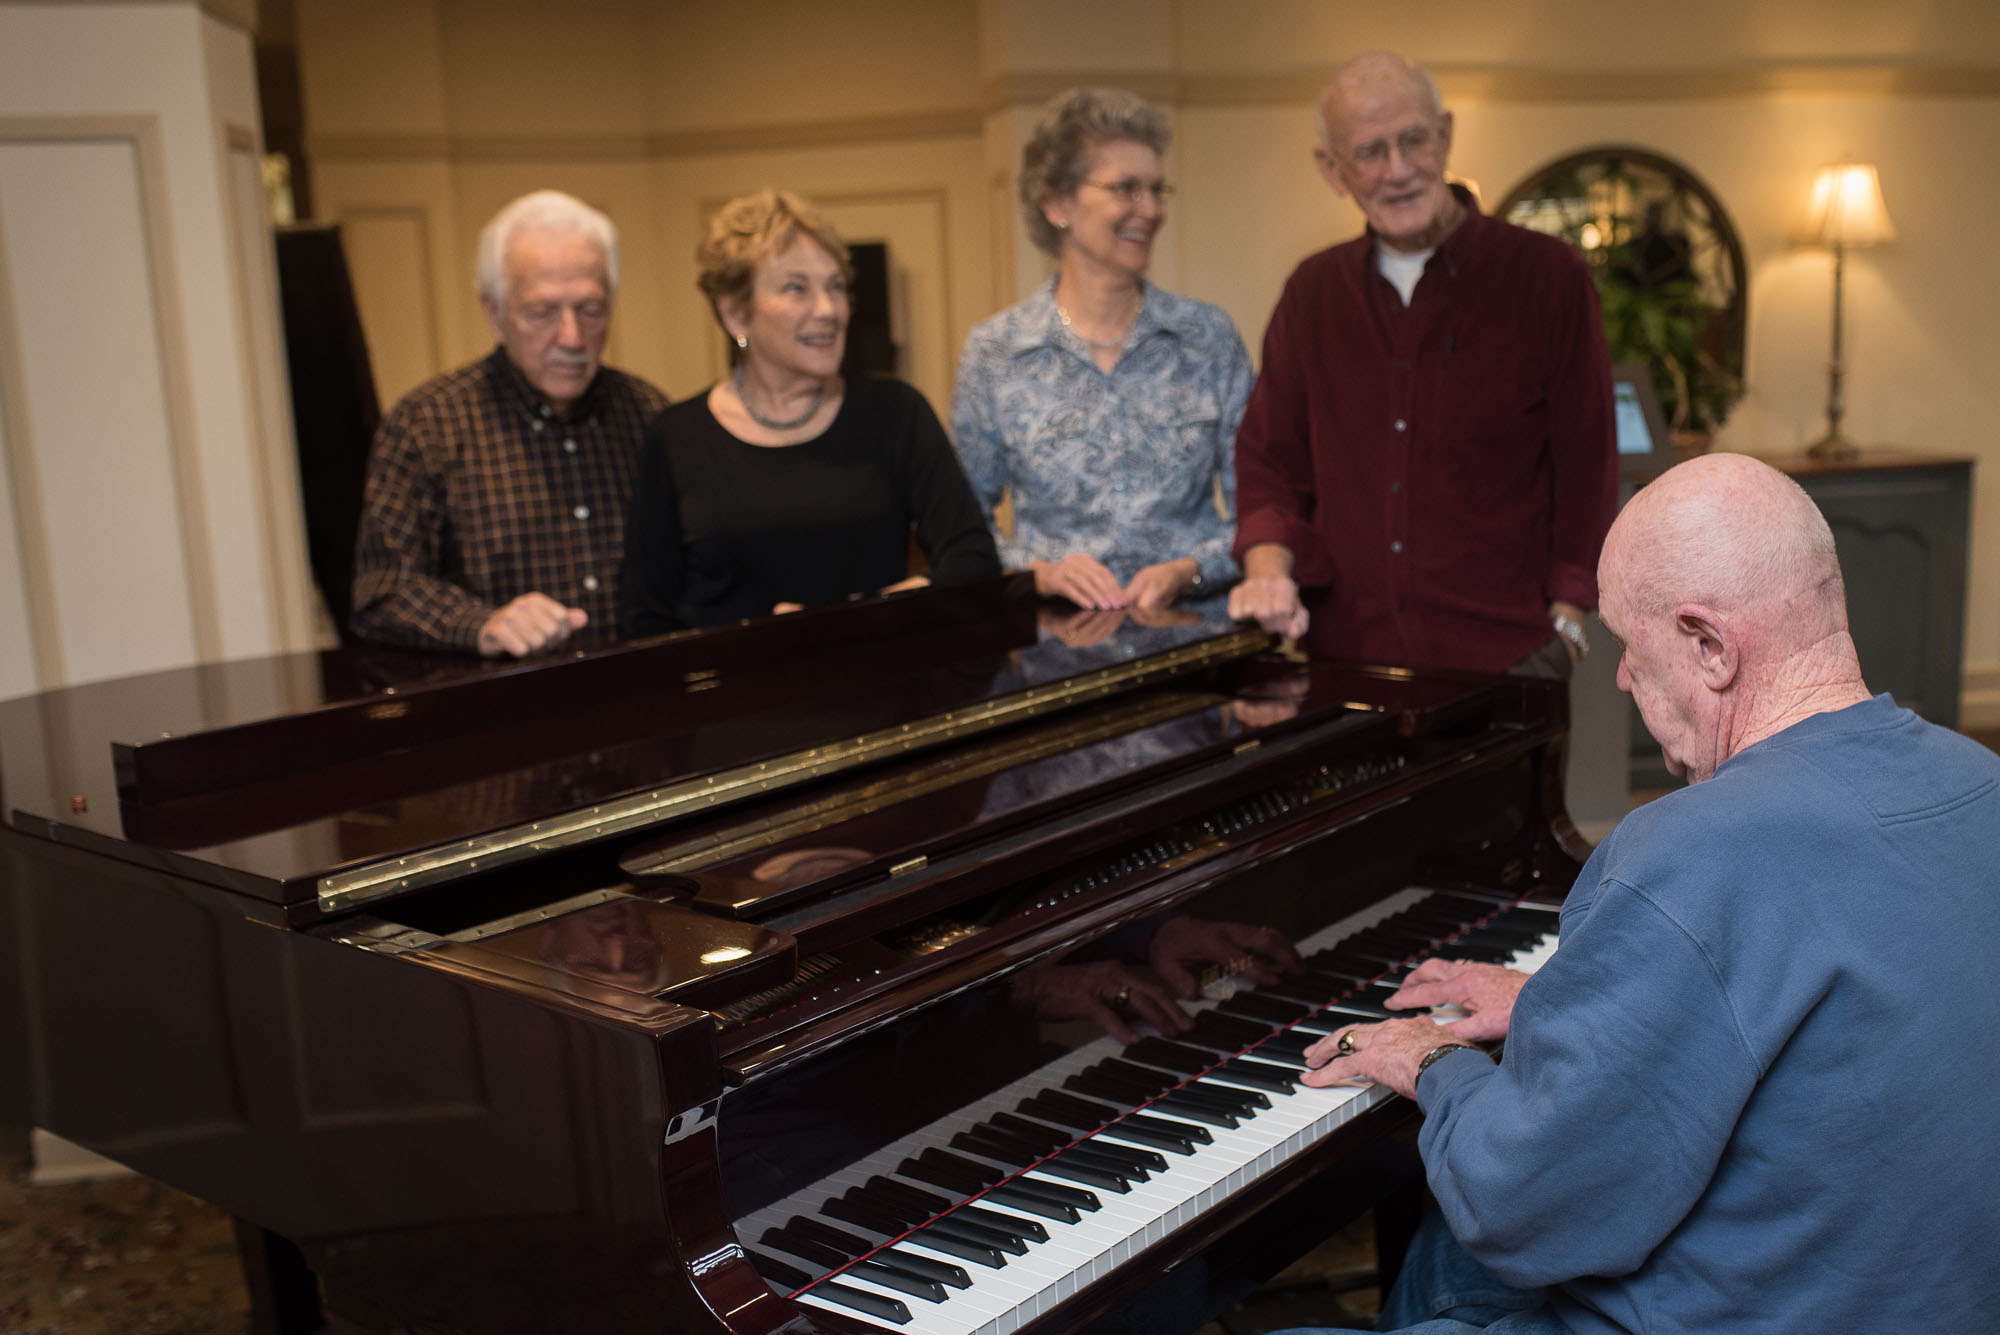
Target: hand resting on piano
(1389,1053)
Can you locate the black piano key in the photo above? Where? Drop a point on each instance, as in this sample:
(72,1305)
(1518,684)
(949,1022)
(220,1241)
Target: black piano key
(1063,1114)
(1152,1161)
(784,1240)
(954,1225)
(876,1305)
(992,1147)
(852,1209)
(1066,1166)
(891,1278)
(1180,1105)
(1277,1056)
(1291,1044)
(1039,1134)
(1258,1075)
(941,1158)
(917,1197)
(925,1267)
(1097,1085)
(1256,1006)
(1364,1007)
(1243,1102)
(1028,1202)
(778,1272)
(951,1179)
(1368,959)
(954,1244)
(1195,1134)
(825,1233)
(1316,1026)
(1224,1033)
(1055,1098)
(1170,1056)
(1027,1229)
(1308,996)
(1078,1197)
(1334,980)
(1105,1157)
(1033,1143)
(906,1215)
(1143,1077)
(1173,1142)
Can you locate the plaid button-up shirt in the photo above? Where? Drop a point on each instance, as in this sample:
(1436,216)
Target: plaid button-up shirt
(478,492)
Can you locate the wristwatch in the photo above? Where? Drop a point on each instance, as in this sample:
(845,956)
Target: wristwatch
(1573,632)
(1198,586)
(1437,1052)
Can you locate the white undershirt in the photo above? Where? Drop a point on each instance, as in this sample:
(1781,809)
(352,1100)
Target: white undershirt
(1402,268)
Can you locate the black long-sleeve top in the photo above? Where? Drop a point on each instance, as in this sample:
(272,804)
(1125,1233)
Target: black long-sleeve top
(721,529)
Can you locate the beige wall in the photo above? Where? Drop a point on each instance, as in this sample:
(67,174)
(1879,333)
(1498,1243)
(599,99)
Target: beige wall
(906,117)
(152,514)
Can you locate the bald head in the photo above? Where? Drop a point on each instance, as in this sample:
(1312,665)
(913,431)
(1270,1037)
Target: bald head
(1374,78)
(1732,533)
(1721,585)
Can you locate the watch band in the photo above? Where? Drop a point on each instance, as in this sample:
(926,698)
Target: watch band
(1437,1052)
(1572,631)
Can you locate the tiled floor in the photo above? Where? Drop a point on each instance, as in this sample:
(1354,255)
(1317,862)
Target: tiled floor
(128,1256)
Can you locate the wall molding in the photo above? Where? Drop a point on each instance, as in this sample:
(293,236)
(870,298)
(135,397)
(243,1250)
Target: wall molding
(1979,697)
(236,13)
(24,481)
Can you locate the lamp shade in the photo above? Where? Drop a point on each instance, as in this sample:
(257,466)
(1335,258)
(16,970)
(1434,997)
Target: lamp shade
(1847,207)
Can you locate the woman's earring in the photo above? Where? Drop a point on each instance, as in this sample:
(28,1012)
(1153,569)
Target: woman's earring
(742,341)
(1063,226)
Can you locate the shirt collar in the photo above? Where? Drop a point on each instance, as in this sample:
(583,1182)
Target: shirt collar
(1040,327)
(1459,247)
(532,403)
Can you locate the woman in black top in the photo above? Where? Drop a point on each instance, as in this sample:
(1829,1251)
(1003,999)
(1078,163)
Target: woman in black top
(785,486)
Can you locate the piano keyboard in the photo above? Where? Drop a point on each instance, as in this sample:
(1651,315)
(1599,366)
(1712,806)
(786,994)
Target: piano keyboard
(984,1220)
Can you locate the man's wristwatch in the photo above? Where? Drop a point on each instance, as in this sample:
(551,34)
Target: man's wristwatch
(1435,1053)
(1573,632)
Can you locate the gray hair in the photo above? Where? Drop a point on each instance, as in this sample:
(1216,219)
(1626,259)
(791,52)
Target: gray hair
(1072,126)
(1371,65)
(542,211)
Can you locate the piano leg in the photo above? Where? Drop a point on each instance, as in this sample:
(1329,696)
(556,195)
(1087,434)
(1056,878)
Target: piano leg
(284,1292)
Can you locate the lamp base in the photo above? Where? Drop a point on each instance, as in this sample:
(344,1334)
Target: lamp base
(1833,446)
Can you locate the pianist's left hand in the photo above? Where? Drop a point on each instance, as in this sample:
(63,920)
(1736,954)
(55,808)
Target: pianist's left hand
(1387,1053)
(1184,944)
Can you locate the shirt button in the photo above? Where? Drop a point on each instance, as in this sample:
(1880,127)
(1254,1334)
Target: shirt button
(569,444)
(1401,425)
(536,424)
(581,512)
(1396,546)
(590,583)
(1395,487)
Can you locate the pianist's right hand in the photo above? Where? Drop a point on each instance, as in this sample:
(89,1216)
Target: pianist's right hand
(1104,992)
(531,622)
(1485,992)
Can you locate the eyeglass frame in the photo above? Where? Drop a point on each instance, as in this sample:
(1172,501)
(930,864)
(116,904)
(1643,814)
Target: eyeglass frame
(1130,188)
(589,313)
(1425,140)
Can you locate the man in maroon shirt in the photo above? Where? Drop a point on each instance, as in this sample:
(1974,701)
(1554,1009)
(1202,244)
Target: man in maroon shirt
(1427,466)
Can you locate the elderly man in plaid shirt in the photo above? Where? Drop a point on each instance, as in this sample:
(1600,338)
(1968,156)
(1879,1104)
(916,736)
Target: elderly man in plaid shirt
(494,516)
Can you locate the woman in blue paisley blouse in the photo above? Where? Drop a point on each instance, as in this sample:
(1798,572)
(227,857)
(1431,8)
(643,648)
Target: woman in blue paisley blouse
(1103,407)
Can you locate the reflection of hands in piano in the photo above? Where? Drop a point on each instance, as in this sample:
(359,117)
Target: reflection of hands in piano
(1257,953)
(1103,992)
(1485,992)
(1275,701)
(611,943)
(1387,1053)
(1081,629)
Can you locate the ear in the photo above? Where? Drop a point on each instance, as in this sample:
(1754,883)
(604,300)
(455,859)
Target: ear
(1712,642)
(493,318)
(1444,138)
(1329,171)
(735,318)
(1056,209)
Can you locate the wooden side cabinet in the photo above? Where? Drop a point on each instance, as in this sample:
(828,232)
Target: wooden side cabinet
(1902,524)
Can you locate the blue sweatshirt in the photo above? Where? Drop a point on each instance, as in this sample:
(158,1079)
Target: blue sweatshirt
(1758,1087)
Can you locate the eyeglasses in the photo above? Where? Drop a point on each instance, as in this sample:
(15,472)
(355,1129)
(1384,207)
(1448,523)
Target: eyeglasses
(547,314)
(1419,141)
(1132,187)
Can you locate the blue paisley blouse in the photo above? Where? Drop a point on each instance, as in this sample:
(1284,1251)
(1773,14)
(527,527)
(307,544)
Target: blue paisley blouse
(1121,466)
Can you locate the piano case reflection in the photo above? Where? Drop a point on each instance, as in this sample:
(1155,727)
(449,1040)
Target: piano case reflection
(756,979)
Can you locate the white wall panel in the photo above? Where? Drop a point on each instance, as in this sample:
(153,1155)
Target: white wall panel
(97,411)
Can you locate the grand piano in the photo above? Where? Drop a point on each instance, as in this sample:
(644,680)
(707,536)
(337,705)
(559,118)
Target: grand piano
(770,978)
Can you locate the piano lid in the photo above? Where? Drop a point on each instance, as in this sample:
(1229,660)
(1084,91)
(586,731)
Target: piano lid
(325,781)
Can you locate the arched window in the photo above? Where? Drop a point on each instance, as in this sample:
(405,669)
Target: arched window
(1668,264)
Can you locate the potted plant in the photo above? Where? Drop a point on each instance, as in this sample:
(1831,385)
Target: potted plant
(1654,313)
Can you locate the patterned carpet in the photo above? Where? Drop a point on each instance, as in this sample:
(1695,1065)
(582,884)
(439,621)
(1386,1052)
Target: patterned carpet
(120,1255)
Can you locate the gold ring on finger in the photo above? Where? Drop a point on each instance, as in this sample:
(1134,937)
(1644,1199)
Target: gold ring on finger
(1346,1044)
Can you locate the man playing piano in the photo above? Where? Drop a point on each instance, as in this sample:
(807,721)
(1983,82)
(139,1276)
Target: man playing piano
(494,515)
(1755,1088)
(1427,465)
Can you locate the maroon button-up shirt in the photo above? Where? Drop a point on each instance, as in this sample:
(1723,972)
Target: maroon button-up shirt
(1441,473)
